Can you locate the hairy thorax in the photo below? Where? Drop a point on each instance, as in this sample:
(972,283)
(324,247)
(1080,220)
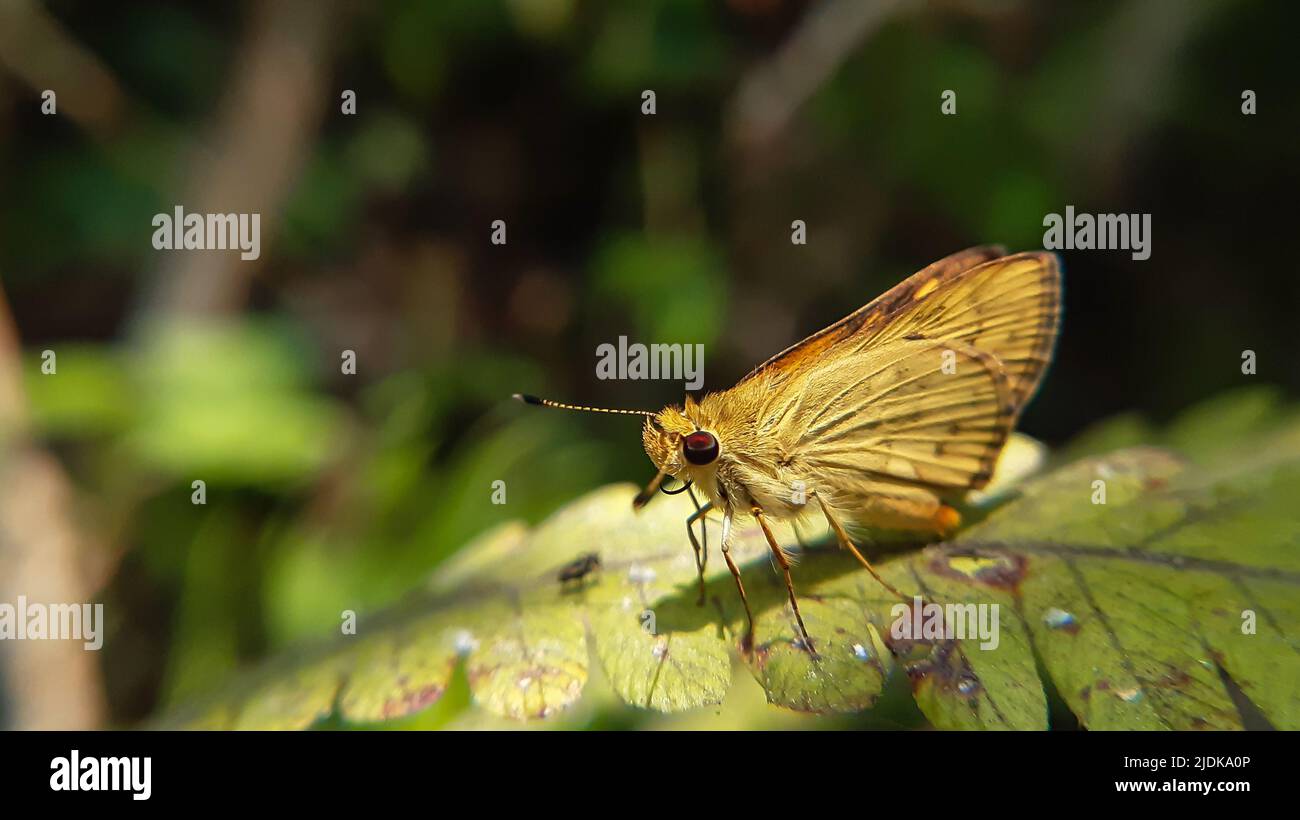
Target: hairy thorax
(752,466)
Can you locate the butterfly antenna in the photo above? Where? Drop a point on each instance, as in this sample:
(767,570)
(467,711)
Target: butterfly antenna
(559,405)
(642,497)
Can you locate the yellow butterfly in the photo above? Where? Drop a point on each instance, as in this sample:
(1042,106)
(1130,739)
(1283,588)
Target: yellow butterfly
(879,420)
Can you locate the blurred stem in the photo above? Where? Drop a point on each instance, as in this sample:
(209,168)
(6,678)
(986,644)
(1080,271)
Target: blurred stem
(47,684)
(251,158)
(772,92)
(36,47)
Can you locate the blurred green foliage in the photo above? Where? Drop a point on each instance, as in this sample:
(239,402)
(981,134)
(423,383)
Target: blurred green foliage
(1128,612)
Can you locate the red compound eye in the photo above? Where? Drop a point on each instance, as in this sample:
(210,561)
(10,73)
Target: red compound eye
(700,448)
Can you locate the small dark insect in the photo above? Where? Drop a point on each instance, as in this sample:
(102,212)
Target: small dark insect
(579,568)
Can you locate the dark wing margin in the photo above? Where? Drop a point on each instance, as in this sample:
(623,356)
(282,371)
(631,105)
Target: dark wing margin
(897,297)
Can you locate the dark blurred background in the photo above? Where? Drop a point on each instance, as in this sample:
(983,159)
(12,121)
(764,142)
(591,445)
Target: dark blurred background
(328,491)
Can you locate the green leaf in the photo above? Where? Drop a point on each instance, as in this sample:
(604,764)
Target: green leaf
(229,402)
(630,269)
(84,396)
(1137,612)
(1170,605)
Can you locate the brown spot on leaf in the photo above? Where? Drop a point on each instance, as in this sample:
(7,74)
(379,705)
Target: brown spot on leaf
(987,567)
(1177,678)
(411,702)
(936,662)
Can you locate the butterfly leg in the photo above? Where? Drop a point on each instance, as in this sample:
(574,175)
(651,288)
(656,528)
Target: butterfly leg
(843,537)
(701,552)
(789,584)
(748,641)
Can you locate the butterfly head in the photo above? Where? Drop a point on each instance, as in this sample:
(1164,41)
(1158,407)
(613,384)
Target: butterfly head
(680,446)
(662,436)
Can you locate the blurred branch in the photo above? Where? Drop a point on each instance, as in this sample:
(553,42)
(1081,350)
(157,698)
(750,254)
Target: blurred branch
(1146,41)
(254,152)
(37,48)
(770,95)
(48,684)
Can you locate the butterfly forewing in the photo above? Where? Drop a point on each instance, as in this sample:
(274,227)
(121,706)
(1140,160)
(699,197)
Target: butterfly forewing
(1009,308)
(910,399)
(870,316)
